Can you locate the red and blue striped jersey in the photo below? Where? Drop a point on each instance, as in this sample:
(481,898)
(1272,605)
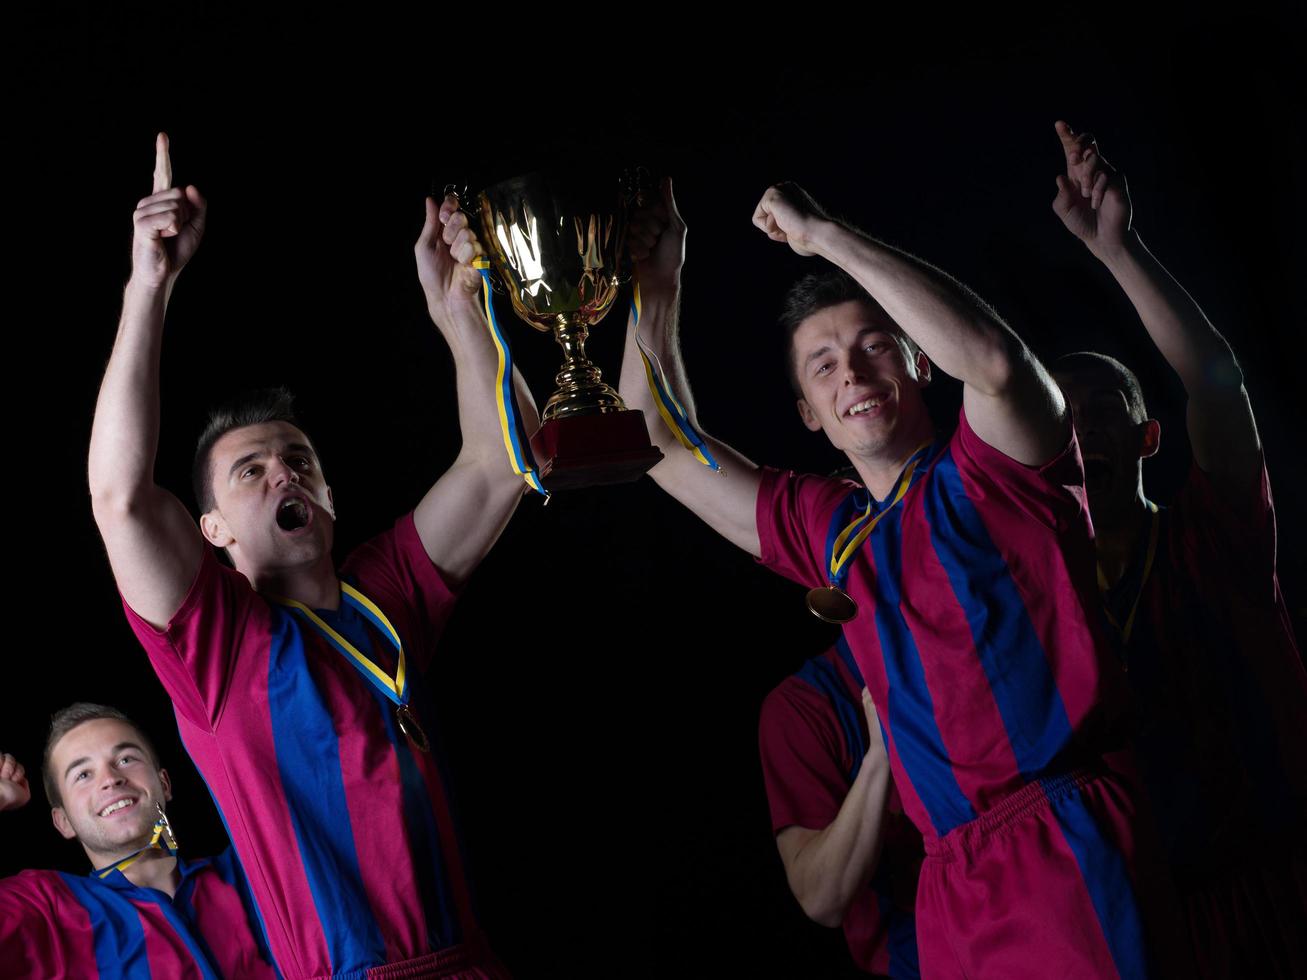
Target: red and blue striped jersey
(343,829)
(812,738)
(54,925)
(1220,683)
(978,631)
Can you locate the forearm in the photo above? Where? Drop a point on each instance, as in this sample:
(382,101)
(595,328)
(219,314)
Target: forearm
(125,432)
(659,329)
(828,869)
(725,499)
(462,515)
(476,372)
(1174,321)
(955,328)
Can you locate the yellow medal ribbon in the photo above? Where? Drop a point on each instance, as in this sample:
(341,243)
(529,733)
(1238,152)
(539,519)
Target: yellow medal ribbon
(162,832)
(395,689)
(670,410)
(849,540)
(1104,588)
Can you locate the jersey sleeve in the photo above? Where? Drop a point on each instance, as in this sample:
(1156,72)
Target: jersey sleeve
(1235,536)
(193,655)
(394,571)
(800,744)
(793,515)
(1052,494)
(38,939)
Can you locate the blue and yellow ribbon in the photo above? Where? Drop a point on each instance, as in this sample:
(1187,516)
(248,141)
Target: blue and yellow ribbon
(672,412)
(510,423)
(396,689)
(844,540)
(162,832)
(1153,534)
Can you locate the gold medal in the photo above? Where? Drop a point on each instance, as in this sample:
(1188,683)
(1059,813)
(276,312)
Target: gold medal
(831,605)
(408,724)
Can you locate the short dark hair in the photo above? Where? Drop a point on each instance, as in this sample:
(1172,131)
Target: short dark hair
(1088,362)
(817,291)
(247,408)
(64,721)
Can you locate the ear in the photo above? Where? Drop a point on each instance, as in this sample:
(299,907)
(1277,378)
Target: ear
(166,783)
(1150,437)
(61,823)
(808,415)
(923,369)
(215,530)
(331,504)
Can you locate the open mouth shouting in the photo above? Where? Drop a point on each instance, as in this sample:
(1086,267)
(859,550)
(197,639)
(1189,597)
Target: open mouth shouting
(1098,472)
(294,514)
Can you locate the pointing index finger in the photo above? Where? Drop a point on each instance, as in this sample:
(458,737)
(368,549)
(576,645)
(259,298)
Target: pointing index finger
(162,164)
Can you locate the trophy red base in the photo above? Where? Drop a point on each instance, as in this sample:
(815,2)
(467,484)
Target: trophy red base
(590,450)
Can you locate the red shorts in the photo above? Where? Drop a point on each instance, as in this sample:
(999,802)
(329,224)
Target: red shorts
(1042,885)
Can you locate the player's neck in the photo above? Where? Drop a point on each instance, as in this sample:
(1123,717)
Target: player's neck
(1116,540)
(314,584)
(880,472)
(154,869)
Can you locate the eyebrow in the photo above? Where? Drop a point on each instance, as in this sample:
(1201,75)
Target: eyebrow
(823,351)
(250,457)
(116,749)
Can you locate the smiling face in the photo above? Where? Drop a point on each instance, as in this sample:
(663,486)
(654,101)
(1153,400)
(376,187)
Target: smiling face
(860,382)
(1114,439)
(109,787)
(272,508)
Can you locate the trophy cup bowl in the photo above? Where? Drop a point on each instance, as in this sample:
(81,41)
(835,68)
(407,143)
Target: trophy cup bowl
(557,242)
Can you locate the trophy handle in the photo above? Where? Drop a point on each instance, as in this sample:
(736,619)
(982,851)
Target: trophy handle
(469,204)
(635,185)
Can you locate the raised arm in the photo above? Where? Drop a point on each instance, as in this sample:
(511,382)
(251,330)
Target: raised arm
(466,510)
(1093,201)
(14,791)
(153,544)
(1011,401)
(827,868)
(726,500)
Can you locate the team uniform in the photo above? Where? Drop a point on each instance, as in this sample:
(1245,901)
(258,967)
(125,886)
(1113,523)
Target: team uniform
(979,637)
(812,737)
(342,826)
(55,925)
(1205,635)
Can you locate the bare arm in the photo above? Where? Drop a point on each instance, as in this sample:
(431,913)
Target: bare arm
(467,509)
(1011,401)
(1093,201)
(153,544)
(827,868)
(726,501)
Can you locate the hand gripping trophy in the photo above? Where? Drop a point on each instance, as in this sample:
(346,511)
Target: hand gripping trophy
(557,244)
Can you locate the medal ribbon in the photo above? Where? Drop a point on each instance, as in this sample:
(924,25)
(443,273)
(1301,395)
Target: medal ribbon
(843,544)
(1149,555)
(162,832)
(669,408)
(396,689)
(510,423)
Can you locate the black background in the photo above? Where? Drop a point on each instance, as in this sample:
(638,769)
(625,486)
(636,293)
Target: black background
(600,681)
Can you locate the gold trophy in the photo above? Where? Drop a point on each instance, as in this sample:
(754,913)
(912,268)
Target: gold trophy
(557,244)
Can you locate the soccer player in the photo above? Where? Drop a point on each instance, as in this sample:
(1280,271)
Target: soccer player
(851,857)
(964,568)
(297,687)
(144,911)
(1191,593)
